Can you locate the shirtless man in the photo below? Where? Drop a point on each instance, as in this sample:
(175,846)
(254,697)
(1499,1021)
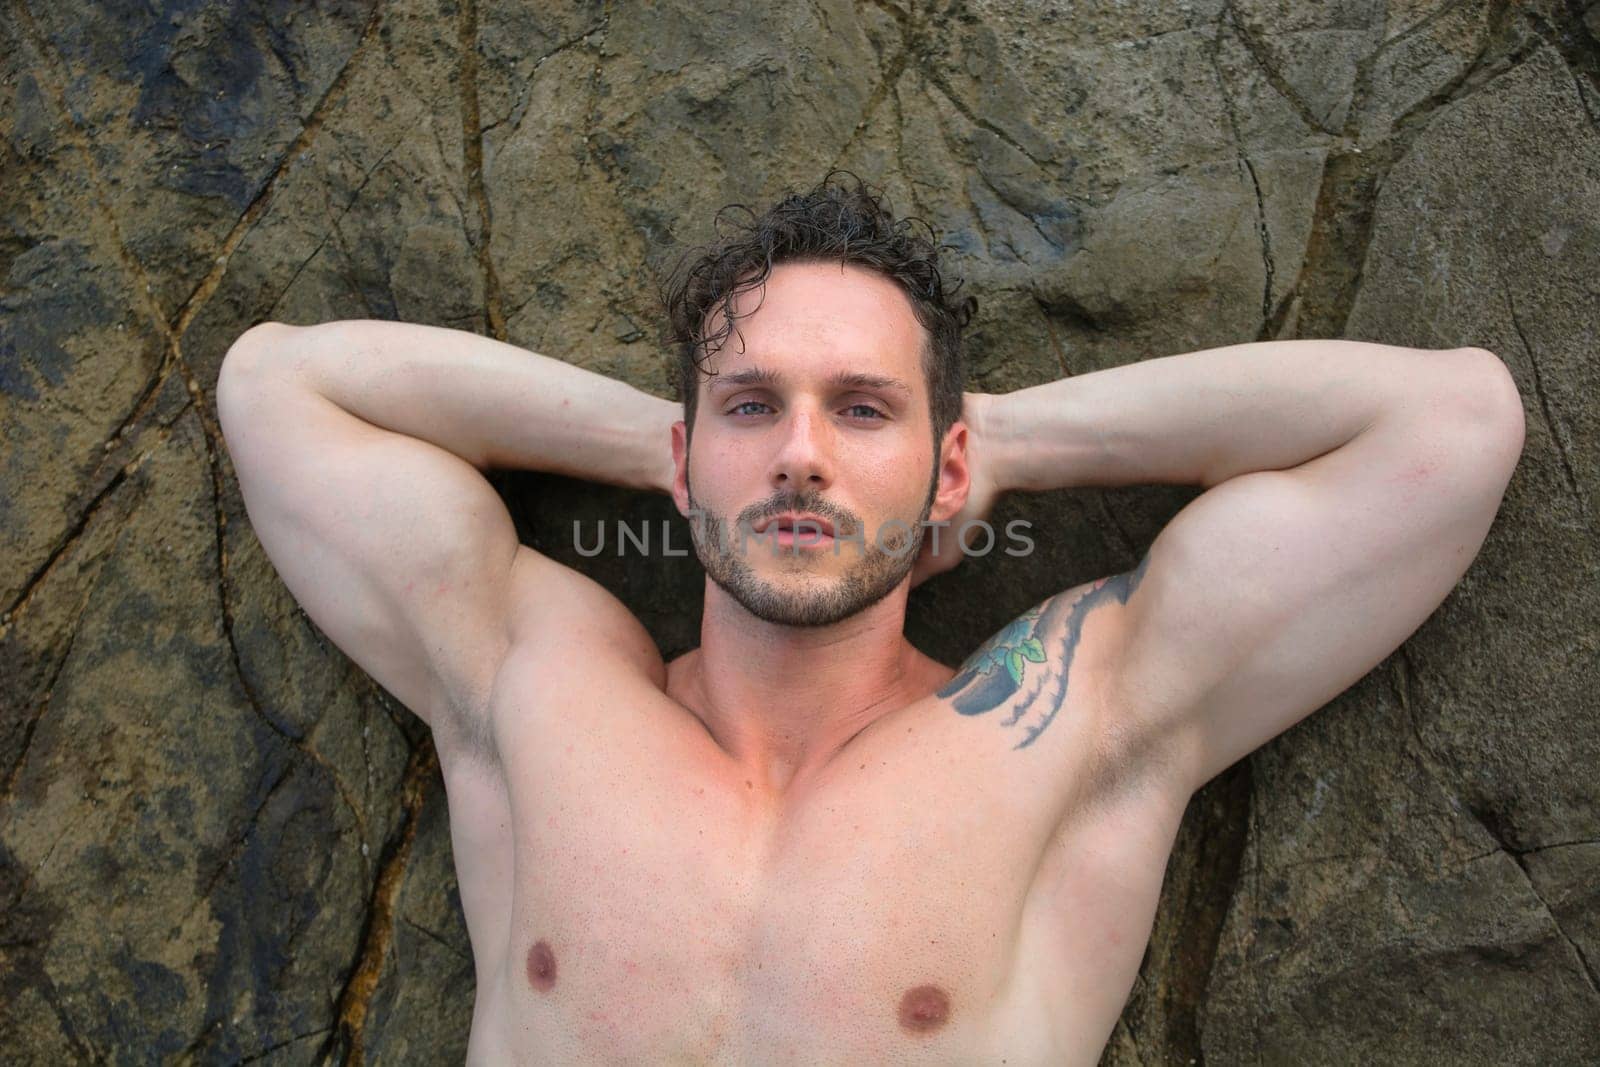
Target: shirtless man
(806,842)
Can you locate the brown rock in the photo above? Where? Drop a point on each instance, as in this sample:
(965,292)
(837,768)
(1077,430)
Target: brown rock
(218,839)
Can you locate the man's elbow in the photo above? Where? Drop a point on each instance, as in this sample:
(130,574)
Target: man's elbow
(283,352)
(255,346)
(1489,406)
(269,351)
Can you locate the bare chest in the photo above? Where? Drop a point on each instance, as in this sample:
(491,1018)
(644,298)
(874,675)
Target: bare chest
(659,919)
(905,909)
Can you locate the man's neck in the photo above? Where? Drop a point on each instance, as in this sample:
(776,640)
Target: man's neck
(782,700)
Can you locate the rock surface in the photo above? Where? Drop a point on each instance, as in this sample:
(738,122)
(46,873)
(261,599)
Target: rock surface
(220,841)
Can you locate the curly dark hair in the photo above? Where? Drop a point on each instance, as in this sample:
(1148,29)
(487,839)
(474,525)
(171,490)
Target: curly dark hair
(837,221)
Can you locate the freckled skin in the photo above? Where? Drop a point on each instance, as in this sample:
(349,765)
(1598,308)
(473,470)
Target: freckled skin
(924,1009)
(541,967)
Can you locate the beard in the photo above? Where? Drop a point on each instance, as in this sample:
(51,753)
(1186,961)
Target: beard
(820,601)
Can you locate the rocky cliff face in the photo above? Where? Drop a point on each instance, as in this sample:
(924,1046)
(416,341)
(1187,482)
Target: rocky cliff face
(218,839)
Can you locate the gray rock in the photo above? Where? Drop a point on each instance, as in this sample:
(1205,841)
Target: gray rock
(219,840)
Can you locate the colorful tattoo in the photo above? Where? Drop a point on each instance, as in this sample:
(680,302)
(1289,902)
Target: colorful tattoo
(1028,662)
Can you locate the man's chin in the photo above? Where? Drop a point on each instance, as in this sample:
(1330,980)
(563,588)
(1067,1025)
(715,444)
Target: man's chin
(797,616)
(800,600)
(786,603)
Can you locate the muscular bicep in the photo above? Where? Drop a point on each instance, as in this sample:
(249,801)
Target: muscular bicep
(399,551)
(1273,592)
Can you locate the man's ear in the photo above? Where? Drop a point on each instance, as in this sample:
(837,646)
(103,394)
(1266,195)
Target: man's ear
(954,474)
(680,467)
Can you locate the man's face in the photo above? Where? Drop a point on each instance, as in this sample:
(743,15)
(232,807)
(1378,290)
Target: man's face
(823,412)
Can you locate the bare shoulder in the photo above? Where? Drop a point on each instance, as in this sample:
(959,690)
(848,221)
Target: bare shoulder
(554,605)
(1027,665)
(568,635)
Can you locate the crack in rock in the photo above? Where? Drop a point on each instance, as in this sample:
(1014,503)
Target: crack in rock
(263,199)
(1342,220)
(346,1040)
(44,702)
(447,946)
(939,82)
(1055,341)
(1557,434)
(1257,47)
(1586,969)
(284,1044)
(333,226)
(472,133)
(1263,230)
(75,533)
(880,92)
(249,827)
(14,615)
(518,108)
(1400,682)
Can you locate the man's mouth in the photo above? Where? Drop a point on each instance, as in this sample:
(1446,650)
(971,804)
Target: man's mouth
(805,526)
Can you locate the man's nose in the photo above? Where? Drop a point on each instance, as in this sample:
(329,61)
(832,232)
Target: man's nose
(804,459)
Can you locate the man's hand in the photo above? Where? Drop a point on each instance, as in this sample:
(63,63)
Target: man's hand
(986,489)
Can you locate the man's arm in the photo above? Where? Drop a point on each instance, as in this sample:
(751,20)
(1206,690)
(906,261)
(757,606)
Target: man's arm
(358,448)
(1349,486)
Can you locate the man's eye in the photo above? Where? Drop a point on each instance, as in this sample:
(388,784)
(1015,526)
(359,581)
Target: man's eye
(738,409)
(866,411)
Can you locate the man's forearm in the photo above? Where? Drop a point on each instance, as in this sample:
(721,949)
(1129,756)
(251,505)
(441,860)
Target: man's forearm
(1204,417)
(492,404)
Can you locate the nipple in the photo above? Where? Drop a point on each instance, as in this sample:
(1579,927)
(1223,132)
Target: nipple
(924,1009)
(541,967)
